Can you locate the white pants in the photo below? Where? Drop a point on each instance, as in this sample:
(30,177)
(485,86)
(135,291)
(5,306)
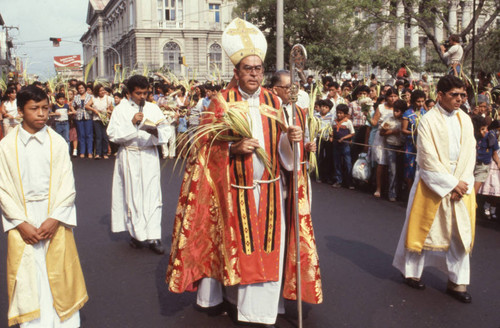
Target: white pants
(455,261)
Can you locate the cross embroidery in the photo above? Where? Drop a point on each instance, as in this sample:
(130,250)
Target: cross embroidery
(244,32)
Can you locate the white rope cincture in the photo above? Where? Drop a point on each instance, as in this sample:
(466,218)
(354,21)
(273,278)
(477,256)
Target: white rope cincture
(255,183)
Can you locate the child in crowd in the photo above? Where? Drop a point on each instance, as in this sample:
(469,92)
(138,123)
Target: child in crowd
(487,146)
(61,111)
(343,131)
(37,196)
(429,104)
(325,145)
(182,135)
(394,141)
(490,190)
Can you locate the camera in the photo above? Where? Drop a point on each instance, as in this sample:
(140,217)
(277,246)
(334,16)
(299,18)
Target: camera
(446,44)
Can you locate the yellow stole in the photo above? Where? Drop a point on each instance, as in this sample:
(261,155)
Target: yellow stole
(433,148)
(63,265)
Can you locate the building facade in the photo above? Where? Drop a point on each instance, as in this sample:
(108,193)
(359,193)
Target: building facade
(181,35)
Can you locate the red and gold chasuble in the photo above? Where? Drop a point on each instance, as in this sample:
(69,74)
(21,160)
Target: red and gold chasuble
(218,230)
(309,261)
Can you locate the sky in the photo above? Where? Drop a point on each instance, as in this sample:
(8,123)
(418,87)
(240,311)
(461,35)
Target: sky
(39,20)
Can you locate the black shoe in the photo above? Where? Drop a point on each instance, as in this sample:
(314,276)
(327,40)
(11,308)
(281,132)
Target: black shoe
(134,243)
(155,246)
(413,283)
(463,297)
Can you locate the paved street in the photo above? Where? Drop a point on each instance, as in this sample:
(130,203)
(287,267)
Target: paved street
(356,236)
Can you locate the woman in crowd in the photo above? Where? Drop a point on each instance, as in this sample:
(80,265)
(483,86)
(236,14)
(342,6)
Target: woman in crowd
(101,105)
(9,110)
(411,117)
(73,137)
(379,153)
(83,120)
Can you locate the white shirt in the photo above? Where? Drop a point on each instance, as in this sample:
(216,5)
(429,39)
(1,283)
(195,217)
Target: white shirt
(101,104)
(454,54)
(11,109)
(34,165)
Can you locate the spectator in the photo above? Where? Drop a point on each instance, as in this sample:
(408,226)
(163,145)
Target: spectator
(84,122)
(343,131)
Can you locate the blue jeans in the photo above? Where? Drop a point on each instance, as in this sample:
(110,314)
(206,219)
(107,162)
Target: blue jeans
(342,153)
(101,139)
(63,129)
(395,162)
(85,136)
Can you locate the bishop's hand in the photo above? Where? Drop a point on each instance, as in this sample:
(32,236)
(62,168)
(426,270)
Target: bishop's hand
(294,133)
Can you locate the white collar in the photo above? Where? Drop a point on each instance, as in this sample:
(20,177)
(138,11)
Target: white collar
(39,136)
(445,112)
(246,96)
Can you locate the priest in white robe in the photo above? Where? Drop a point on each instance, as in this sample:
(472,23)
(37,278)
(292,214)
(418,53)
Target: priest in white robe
(440,218)
(136,199)
(44,279)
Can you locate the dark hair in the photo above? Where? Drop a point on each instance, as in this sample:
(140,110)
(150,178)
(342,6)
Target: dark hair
(31,92)
(326,102)
(37,83)
(400,105)
(428,101)
(276,78)
(448,82)
(415,95)
(361,88)
(455,38)
(346,84)
(79,83)
(10,90)
(390,91)
(118,94)
(327,80)
(334,84)
(137,81)
(96,89)
(343,108)
(478,122)
(60,95)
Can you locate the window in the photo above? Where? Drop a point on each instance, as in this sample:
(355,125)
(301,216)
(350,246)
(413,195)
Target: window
(131,14)
(214,10)
(170,10)
(215,58)
(171,57)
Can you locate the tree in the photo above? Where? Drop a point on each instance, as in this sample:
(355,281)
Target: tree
(389,59)
(488,52)
(425,14)
(332,34)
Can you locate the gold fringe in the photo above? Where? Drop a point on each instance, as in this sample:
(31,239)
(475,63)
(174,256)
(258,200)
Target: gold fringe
(75,308)
(24,318)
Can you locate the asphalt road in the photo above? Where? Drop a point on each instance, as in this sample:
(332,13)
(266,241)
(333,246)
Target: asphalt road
(356,236)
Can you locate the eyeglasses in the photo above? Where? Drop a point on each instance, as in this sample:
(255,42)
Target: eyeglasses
(286,87)
(457,94)
(248,69)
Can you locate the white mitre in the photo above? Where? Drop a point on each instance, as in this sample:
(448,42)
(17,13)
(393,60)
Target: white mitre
(242,39)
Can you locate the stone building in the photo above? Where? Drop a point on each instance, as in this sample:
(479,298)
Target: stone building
(181,35)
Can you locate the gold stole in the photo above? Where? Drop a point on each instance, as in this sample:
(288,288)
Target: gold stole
(426,204)
(63,265)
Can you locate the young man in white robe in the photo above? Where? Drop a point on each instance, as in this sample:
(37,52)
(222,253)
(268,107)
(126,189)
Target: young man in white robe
(136,199)
(440,218)
(37,195)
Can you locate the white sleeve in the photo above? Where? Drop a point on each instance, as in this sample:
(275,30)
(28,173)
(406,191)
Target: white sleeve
(120,129)
(65,215)
(286,152)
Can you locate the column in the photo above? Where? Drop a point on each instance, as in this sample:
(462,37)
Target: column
(385,35)
(466,14)
(400,28)
(452,16)
(414,31)
(438,29)
(100,47)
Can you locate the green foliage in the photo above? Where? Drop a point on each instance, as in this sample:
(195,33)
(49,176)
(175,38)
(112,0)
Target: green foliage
(390,59)
(332,34)
(488,52)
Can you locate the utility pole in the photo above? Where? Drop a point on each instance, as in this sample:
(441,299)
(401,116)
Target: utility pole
(279,36)
(473,77)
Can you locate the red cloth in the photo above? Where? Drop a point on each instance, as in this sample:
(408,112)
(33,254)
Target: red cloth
(218,231)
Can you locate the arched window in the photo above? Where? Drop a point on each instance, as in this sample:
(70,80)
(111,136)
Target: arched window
(215,58)
(172,57)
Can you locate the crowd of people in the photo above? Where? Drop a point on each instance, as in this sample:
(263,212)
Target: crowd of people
(234,230)
(360,119)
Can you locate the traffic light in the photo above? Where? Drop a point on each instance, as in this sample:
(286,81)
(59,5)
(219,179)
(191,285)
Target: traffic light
(55,41)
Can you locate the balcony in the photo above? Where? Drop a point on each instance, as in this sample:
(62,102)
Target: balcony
(171,24)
